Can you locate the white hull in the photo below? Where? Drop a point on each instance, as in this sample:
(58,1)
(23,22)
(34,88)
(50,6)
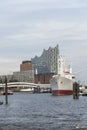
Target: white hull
(26,90)
(61,85)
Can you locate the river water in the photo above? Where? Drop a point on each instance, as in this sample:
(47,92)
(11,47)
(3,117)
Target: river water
(43,112)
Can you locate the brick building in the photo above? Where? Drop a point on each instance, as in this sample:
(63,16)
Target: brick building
(26,65)
(43,78)
(26,73)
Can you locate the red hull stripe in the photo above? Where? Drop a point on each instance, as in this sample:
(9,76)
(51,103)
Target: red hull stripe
(62,92)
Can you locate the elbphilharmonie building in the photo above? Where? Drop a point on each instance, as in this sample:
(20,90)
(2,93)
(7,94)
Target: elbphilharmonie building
(47,62)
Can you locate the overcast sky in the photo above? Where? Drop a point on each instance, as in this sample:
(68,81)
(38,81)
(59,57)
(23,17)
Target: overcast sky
(29,26)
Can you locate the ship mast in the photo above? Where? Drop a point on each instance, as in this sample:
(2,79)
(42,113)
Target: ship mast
(62,66)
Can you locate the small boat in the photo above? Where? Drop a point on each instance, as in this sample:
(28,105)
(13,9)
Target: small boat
(1,102)
(9,92)
(83,91)
(26,90)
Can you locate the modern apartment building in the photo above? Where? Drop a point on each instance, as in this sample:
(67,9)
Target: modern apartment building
(24,76)
(26,73)
(39,69)
(47,62)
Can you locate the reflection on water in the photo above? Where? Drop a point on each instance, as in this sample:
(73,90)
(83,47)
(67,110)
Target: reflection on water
(43,112)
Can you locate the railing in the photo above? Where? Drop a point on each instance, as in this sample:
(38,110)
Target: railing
(16,84)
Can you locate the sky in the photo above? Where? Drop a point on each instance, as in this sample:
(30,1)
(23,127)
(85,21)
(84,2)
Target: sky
(29,26)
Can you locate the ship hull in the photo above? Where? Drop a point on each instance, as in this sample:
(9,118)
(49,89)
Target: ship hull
(62,92)
(61,86)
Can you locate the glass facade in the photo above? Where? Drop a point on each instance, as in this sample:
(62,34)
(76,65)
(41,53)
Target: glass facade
(48,61)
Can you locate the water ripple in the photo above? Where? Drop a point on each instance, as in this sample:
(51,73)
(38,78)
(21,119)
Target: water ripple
(43,112)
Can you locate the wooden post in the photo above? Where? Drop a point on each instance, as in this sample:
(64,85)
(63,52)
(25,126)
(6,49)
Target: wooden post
(38,89)
(75,90)
(6,91)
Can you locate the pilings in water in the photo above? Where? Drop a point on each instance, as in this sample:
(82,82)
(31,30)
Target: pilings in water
(75,90)
(37,90)
(6,91)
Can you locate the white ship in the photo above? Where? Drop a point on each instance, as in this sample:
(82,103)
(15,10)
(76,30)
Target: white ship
(62,83)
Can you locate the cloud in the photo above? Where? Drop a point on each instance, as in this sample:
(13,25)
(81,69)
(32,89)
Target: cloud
(49,29)
(29,26)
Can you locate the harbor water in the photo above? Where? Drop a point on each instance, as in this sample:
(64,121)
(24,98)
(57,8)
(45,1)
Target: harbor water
(43,112)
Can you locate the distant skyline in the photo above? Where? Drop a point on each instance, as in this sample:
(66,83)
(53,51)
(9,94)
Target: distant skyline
(29,26)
